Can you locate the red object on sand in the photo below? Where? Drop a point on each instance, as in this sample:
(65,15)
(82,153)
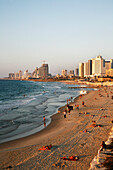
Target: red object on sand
(46,147)
(70,158)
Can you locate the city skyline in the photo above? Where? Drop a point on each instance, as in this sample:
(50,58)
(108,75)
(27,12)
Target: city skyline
(63,33)
(97,66)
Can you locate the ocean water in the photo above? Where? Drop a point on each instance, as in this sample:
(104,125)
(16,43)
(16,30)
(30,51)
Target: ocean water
(24,103)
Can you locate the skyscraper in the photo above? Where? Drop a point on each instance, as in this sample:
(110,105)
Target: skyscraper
(98,66)
(43,71)
(90,67)
(111,61)
(86,69)
(20,74)
(81,70)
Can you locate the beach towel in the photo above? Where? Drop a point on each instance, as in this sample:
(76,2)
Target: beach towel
(47,147)
(70,158)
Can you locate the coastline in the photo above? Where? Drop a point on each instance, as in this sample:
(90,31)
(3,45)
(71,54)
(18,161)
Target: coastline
(66,136)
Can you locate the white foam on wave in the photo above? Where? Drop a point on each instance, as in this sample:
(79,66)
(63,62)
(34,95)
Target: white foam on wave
(57,87)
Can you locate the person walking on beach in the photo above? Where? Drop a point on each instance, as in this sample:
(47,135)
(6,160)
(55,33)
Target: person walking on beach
(82,103)
(65,113)
(71,99)
(44,118)
(75,106)
(78,106)
(67,107)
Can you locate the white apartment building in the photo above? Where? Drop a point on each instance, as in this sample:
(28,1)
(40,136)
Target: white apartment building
(26,74)
(98,66)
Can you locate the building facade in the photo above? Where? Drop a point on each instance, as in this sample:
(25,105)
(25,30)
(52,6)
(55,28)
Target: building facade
(71,73)
(81,70)
(86,73)
(35,73)
(98,66)
(20,74)
(76,72)
(11,76)
(43,71)
(89,67)
(64,73)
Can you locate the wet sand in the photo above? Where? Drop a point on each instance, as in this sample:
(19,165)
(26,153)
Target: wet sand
(66,135)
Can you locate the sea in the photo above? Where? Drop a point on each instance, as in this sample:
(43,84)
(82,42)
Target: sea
(24,103)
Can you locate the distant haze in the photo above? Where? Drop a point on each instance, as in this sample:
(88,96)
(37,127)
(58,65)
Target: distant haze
(61,32)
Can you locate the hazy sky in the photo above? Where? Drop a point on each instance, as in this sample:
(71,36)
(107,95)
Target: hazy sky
(61,32)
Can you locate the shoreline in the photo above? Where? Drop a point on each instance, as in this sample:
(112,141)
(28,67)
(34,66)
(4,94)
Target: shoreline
(66,136)
(37,134)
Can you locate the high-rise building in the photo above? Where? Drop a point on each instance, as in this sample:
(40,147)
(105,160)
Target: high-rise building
(64,73)
(76,72)
(35,73)
(11,75)
(26,74)
(43,71)
(86,70)
(71,73)
(109,67)
(20,74)
(111,61)
(81,70)
(16,75)
(98,66)
(89,67)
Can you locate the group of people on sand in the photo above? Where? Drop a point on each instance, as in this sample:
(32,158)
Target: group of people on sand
(69,108)
(70,100)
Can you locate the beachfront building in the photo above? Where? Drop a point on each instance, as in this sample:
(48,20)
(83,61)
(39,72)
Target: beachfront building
(43,71)
(11,76)
(71,74)
(109,68)
(111,61)
(58,76)
(109,72)
(86,73)
(64,73)
(109,64)
(89,67)
(77,72)
(20,74)
(98,66)
(26,75)
(35,73)
(81,70)
(16,75)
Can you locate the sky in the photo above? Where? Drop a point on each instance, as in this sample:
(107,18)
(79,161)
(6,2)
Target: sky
(62,33)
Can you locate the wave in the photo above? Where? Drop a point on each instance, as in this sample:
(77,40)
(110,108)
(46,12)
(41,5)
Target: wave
(57,87)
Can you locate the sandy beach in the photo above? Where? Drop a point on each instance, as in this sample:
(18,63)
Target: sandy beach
(73,135)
